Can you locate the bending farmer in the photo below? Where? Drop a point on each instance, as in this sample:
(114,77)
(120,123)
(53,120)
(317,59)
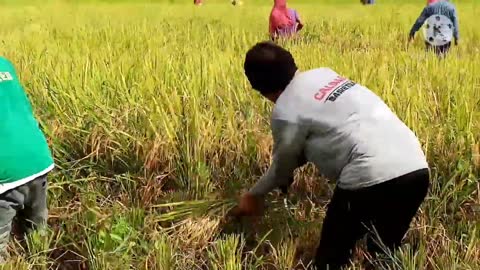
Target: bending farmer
(441,22)
(25,160)
(284,22)
(352,137)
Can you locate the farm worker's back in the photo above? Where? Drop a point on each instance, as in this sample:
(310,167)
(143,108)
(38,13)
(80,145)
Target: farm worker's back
(25,161)
(280,17)
(25,153)
(435,8)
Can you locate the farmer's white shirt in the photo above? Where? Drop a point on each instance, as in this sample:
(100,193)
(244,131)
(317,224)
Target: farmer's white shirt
(343,128)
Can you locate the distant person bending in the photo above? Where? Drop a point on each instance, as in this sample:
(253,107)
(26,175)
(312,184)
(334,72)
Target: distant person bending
(442,24)
(351,136)
(284,22)
(198,2)
(368,2)
(25,160)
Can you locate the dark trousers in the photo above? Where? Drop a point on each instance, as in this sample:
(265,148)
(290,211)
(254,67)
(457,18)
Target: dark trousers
(385,210)
(440,51)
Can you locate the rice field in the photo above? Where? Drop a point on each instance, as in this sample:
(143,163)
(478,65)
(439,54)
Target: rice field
(155,130)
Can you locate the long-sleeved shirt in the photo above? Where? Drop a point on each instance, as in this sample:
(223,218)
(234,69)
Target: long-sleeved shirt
(343,128)
(444,8)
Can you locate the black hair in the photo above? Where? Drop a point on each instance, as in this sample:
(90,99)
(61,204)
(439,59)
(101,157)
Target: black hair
(269,67)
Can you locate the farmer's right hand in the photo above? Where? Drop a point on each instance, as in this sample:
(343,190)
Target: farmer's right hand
(299,26)
(250,205)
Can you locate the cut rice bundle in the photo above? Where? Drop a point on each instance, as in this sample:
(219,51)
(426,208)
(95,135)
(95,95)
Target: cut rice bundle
(187,209)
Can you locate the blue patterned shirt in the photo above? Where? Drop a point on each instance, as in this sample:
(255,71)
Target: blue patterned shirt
(444,8)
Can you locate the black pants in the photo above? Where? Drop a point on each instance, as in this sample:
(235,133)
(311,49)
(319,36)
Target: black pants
(440,51)
(385,210)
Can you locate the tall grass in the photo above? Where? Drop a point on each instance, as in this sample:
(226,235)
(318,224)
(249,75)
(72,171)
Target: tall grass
(147,105)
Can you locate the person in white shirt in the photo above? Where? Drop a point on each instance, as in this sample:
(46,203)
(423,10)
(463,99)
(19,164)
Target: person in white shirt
(351,136)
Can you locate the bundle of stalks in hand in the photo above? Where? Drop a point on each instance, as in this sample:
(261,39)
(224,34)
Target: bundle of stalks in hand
(177,211)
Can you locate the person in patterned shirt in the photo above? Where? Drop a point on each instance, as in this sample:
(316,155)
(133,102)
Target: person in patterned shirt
(438,7)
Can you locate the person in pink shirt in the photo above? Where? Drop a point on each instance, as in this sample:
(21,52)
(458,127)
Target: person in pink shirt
(284,22)
(198,2)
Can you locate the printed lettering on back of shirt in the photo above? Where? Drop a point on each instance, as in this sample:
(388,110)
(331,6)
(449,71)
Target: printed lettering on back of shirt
(5,76)
(322,92)
(333,89)
(339,91)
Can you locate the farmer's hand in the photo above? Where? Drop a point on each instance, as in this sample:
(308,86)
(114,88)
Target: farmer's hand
(299,26)
(250,205)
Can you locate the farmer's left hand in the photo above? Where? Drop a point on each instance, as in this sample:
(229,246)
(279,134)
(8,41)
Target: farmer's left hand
(410,39)
(250,205)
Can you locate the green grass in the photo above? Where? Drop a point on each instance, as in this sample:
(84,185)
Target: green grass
(146,105)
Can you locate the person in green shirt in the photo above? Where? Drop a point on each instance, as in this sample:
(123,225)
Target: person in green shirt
(25,160)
